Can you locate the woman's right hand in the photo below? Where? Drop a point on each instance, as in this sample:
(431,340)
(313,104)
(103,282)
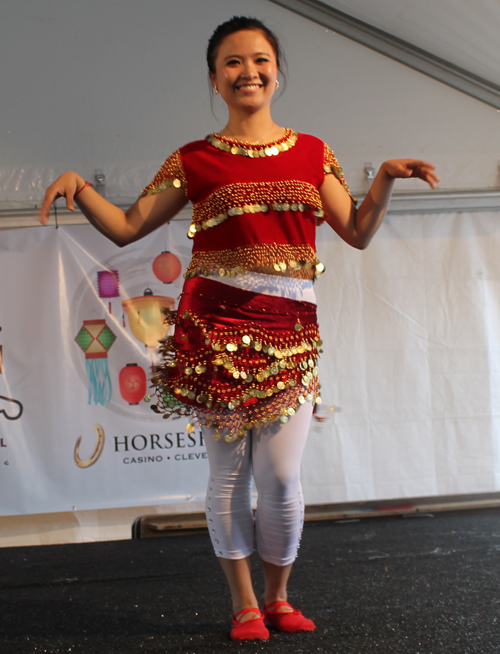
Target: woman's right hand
(146,214)
(65,186)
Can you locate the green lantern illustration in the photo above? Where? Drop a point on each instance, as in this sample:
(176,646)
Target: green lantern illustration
(95,339)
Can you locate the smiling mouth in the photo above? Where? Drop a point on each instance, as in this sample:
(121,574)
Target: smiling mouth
(249,87)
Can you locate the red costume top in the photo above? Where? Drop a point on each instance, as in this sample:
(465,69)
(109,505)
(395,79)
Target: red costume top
(255,207)
(240,359)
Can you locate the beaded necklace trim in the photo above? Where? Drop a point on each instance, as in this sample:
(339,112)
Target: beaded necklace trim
(254,150)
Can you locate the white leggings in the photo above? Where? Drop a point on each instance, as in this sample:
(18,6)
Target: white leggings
(272,455)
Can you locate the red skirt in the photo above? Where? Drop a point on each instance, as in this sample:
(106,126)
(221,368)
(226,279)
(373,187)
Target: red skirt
(237,359)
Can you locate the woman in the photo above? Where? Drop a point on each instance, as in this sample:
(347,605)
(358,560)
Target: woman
(243,358)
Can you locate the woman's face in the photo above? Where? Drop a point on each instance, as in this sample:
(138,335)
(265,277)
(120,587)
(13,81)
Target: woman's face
(245,70)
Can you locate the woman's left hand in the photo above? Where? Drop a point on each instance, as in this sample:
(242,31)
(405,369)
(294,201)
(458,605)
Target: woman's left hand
(405,168)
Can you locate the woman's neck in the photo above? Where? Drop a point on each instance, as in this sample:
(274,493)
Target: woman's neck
(253,128)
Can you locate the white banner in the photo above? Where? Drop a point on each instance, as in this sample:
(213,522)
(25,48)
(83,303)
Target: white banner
(79,320)
(412,359)
(410,374)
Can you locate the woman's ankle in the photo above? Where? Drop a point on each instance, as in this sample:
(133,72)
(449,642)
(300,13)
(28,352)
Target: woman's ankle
(248,602)
(272,598)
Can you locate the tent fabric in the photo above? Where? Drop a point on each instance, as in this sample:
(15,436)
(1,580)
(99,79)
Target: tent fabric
(457,31)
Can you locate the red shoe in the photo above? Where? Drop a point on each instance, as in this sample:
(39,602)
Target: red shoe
(289,621)
(251,629)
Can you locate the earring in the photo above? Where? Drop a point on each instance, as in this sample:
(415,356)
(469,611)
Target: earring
(277,83)
(216,90)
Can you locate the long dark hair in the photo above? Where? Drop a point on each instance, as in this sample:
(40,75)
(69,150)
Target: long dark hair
(237,24)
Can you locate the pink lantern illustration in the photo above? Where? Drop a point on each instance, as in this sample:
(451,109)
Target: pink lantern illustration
(146,318)
(132,380)
(166,267)
(108,284)
(95,339)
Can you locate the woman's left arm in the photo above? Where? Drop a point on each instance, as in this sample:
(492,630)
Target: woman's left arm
(357,226)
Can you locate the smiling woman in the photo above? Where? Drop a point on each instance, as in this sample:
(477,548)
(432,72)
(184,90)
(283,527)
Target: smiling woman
(243,358)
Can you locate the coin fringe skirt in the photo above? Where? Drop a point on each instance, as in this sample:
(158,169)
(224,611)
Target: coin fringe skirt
(237,359)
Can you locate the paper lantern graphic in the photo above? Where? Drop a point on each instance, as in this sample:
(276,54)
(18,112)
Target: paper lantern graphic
(95,338)
(166,267)
(145,317)
(132,380)
(108,284)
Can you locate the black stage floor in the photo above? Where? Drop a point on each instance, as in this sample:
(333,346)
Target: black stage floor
(406,585)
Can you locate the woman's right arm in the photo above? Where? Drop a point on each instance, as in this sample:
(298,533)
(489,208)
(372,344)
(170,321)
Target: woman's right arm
(121,227)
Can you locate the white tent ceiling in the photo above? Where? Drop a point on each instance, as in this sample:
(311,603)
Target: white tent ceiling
(461,33)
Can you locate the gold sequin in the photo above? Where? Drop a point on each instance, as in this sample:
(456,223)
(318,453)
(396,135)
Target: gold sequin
(320,268)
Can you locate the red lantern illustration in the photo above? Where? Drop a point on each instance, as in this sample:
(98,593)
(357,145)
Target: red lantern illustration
(166,267)
(108,284)
(132,380)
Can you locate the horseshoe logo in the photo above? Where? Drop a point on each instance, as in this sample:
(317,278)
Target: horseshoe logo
(86,463)
(19,408)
